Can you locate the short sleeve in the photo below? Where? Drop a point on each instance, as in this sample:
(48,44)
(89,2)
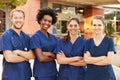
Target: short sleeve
(5,43)
(58,47)
(35,42)
(111,45)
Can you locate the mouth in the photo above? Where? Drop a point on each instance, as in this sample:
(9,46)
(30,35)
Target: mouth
(45,26)
(74,31)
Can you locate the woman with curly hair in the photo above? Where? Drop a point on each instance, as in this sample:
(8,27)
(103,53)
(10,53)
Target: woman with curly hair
(43,44)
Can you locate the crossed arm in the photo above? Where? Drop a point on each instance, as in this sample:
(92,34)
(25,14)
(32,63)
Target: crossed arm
(75,61)
(101,60)
(12,56)
(44,56)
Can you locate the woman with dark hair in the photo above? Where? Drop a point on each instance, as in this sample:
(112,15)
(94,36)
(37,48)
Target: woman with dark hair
(43,44)
(98,53)
(70,52)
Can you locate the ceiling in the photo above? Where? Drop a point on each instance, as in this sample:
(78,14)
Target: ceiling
(89,2)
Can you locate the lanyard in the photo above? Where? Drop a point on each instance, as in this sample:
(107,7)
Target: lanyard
(24,42)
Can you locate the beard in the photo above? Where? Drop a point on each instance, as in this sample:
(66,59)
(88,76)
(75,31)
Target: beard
(18,27)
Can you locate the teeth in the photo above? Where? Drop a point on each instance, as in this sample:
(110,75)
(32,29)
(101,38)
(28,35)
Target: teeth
(46,26)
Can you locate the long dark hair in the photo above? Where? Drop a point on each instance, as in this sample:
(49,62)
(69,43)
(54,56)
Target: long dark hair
(67,37)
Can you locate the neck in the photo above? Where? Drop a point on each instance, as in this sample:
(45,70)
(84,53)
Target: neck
(101,36)
(73,37)
(44,32)
(17,30)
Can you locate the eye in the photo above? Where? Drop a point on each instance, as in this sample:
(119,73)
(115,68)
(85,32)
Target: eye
(94,25)
(70,25)
(44,20)
(99,25)
(75,25)
(50,21)
(15,17)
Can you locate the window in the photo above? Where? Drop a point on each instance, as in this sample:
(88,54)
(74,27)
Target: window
(2,21)
(113,16)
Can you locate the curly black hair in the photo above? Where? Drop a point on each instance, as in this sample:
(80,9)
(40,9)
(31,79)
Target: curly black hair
(46,11)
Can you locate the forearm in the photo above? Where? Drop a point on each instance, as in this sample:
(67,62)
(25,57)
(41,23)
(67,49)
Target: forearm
(92,60)
(102,63)
(50,54)
(106,61)
(43,58)
(15,59)
(27,54)
(66,60)
(11,57)
(78,63)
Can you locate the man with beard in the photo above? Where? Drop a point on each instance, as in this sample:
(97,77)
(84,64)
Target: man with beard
(15,47)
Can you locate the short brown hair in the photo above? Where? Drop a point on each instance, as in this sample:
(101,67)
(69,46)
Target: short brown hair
(16,10)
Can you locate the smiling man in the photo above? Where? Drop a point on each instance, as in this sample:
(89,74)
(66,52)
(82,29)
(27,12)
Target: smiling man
(15,47)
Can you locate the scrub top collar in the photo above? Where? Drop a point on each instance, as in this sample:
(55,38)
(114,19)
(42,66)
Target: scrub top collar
(49,35)
(74,41)
(15,33)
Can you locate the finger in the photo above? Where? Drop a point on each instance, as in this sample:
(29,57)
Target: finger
(59,53)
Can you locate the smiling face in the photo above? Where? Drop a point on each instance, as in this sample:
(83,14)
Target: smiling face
(98,26)
(17,19)
(46,22)
(73,27)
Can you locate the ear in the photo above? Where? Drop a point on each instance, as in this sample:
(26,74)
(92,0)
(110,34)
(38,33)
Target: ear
(39,21)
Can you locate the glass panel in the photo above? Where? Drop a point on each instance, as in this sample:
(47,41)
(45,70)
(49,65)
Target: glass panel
(68,10)
(118,26)
(2,22)
(57,7)
(109,15)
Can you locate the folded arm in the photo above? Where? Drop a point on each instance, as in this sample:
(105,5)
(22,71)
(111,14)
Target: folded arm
(11,57)
(41,55)
(107,60)
(25,54)
(62,59)
(50,54)
(91,60)
(80,62)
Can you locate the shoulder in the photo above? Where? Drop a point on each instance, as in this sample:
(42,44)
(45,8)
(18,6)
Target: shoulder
(52,35)
(89,39)
(82,39)
(108,39)
(36,34)
(26,35)
(60,41)
(7,34)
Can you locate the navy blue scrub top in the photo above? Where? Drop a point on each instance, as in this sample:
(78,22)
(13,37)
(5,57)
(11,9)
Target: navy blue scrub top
(44,69)
(99,72)
(69,72)
(10,40)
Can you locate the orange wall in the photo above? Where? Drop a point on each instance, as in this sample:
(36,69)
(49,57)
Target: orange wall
(30,8)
